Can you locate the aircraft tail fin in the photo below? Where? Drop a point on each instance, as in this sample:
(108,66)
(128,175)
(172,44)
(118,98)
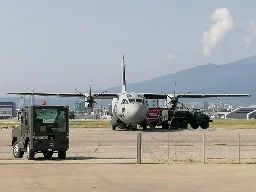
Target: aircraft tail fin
(123,78)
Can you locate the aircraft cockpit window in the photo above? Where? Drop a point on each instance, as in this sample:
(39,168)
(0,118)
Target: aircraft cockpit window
(131,100)
(139,100)
(124,101)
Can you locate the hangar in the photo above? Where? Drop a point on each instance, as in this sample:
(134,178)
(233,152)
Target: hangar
(7,110)
(243,113)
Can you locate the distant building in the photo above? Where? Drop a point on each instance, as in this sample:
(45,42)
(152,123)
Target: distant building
(206,105)
(7,110)
(243,113)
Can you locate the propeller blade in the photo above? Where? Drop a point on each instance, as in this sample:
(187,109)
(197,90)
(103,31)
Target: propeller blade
(166,95)
(183,105)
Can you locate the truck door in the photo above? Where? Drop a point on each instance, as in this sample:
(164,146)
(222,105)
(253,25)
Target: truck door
(24,123)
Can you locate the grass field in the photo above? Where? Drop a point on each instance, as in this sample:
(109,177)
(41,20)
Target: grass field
(72,124)
(234,123)
(217,123)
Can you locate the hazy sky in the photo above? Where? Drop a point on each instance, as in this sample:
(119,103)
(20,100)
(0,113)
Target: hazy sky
(63,45)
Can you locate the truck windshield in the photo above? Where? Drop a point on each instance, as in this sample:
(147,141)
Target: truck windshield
(50,120)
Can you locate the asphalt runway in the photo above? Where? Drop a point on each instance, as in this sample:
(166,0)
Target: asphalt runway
(104,160)
(126,178)
(97,145)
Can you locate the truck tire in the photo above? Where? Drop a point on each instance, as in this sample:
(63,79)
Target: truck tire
(30,153)
(205,124)
(154,124)
(194,125)
(165,125)
(184,124)
(62,154)
(175,124)
(17,153)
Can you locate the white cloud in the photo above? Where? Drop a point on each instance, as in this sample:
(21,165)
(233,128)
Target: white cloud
(171,56)
(250,32)
(217,32)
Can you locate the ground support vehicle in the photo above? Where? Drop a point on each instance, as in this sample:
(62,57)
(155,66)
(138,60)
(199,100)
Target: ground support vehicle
(43,129)
(153,116)
(178,118)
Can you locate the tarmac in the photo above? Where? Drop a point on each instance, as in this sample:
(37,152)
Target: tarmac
(105,160)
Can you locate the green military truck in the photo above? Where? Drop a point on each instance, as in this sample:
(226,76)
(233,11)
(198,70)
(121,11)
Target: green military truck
(181,118)
(43,129)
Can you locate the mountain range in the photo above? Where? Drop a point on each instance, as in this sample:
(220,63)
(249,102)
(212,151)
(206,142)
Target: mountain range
(234,77)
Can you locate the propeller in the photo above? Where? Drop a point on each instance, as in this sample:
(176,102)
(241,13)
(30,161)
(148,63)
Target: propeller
(90,99)
(174,101)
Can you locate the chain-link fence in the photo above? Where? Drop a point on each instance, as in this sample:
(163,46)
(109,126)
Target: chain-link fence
(196,147)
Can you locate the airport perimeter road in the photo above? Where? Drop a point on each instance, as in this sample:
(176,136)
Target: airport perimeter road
(126,178)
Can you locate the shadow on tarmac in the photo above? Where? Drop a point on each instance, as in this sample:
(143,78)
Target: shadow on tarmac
(76,158)
(165,130)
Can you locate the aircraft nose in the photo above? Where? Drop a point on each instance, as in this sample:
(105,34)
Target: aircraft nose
(137,113)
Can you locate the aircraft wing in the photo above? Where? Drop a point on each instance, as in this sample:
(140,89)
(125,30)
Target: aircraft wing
(115,95)
(163,96)
(105,95)
(154,96)
(213,95)
(96,95)
(47,94)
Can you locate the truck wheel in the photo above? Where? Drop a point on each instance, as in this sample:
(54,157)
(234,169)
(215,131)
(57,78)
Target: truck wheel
(17,153)
(175,124)
(194,126)
(61,154)
(184,124)
(153,124)
(205,124)
(30,153)
(165,125)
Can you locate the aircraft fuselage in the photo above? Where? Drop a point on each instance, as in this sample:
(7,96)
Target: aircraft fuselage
(130,108)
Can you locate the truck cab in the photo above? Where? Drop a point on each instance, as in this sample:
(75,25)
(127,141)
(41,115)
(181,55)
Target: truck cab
(42,129)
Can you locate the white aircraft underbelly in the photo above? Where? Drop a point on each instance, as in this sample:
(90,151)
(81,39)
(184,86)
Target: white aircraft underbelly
(133,113)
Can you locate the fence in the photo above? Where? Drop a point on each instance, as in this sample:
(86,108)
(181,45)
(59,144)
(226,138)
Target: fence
(196,147)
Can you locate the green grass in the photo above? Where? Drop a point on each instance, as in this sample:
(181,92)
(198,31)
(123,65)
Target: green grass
(72,124)
(234,123)
(217,123)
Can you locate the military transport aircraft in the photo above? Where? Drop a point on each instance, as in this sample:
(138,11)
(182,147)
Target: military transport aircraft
(129,108)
